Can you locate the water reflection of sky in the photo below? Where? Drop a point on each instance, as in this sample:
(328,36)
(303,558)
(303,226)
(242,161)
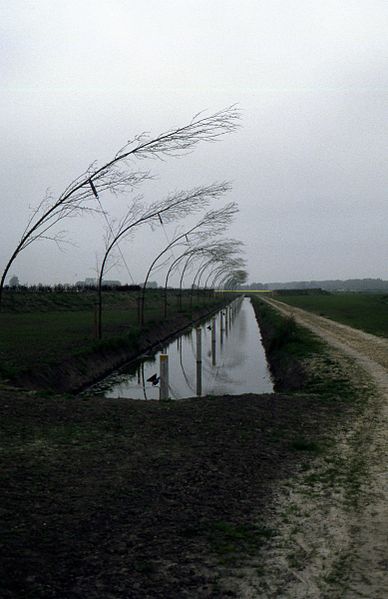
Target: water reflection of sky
(240,363)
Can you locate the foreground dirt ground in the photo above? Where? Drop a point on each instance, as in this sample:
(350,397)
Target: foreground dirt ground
(135,499)
(247,496)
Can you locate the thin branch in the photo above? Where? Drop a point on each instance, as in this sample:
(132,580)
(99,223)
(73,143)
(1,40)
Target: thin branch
(116,176)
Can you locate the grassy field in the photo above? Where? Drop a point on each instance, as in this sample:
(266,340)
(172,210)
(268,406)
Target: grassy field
(365,311)
(45,328)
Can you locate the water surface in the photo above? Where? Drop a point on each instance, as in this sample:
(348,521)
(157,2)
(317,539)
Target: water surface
(233,361)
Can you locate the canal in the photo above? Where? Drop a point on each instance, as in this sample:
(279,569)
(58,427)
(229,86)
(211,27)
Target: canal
(233,361)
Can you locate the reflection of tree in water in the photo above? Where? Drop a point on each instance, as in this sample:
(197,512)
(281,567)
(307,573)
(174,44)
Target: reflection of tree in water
(242,322)
(143,380)
(190,386)
(239,363)
(230,359)
(180,354)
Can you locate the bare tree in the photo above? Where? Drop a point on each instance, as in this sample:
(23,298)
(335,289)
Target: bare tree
(225,271)
(235,278)
(219,267)
(189,255)
(227,264)
(218,261)
(174,207)
(117,176)
(222,252)
(211,224)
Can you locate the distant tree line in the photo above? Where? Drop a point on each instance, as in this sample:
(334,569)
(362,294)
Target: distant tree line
(311,291)
(329,285)
(82,288)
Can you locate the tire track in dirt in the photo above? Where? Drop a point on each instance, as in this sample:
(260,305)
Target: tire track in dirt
(369,576)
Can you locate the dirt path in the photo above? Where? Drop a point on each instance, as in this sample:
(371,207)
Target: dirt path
(370,528)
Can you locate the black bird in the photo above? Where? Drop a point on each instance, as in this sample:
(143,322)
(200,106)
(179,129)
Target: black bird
(209,328)
(154,379)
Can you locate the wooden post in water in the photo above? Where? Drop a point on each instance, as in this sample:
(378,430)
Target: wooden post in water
(163,383)
(214,341)
(226,319)
(222,327)
(198,332)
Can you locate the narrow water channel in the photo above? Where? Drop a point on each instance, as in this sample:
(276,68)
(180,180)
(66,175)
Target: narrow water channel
(233,361)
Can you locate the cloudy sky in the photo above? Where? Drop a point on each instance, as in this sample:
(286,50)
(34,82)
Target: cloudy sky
(308,165)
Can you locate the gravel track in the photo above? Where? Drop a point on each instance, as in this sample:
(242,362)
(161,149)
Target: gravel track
(370,566)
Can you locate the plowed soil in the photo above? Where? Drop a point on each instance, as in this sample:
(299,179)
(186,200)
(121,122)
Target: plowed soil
(126,498)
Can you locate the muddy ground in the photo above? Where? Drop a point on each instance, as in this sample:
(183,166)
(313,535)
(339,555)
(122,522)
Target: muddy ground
(126,498)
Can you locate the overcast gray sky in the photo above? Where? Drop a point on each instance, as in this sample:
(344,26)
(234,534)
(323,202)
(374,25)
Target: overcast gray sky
(308,165)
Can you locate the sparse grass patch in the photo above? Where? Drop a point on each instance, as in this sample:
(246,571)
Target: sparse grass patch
(305,445)
(231,541)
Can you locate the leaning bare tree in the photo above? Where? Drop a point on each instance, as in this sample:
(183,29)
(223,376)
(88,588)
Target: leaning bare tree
(117,176)
(188,255)
(174,207)
(225,270)
(235,278)
(217,266)
(211,224)
(213,249)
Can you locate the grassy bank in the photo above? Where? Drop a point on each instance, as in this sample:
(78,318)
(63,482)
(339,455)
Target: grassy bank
(334,484)
(300,361)
(42,330)
(365,311)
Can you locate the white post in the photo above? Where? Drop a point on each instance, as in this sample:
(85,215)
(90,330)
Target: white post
(199,360)
(163,384)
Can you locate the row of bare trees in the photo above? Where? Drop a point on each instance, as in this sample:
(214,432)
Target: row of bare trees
(120,175)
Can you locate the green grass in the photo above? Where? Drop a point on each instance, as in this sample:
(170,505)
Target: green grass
(365,311)
(286,336)
(294,347)
(25,301)
(46,328)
